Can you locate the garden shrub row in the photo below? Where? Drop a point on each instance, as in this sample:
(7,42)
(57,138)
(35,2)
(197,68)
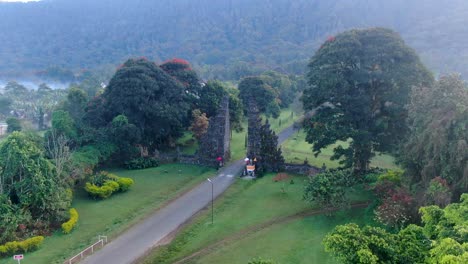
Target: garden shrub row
(68,226)
(142,163)
(24,246)
(104,184)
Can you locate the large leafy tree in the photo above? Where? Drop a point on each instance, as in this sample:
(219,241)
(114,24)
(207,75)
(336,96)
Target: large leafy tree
(28,179)
(212,94)
(254,89)
(181,70)
(438,142)
(359,84)
(150,98)
(287,87)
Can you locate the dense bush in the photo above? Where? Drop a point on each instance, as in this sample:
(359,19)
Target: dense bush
(142,163)
(104,191)
(328,188)
(124,184)
(68,226)
(103,184)
(15,247)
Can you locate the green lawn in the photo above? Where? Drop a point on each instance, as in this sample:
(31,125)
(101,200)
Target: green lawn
(299,241)
(153,187)
(246,203)
(286,118)
(187,144)
(296,150)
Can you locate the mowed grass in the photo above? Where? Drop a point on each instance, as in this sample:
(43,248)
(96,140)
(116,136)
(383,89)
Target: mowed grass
(298,241)
(296,150)
(286,119)
(245,204)
(153,187)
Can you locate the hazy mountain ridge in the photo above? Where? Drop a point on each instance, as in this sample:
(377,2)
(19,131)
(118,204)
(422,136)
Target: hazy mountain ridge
(277,34)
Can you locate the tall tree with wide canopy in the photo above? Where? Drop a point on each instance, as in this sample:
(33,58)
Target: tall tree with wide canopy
(359,84)
(150,98)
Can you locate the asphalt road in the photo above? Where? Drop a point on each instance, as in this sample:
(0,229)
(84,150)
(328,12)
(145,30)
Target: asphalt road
(139,239)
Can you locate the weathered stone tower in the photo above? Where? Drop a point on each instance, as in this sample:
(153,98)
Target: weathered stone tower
(216,141)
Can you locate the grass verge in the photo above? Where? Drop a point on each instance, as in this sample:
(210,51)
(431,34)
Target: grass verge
(246,203)
(152,189)
(296,150)
(299,241)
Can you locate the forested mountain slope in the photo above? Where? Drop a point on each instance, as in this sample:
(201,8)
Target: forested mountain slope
(223,38)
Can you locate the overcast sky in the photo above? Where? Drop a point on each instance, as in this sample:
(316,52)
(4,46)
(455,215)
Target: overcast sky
(19,0)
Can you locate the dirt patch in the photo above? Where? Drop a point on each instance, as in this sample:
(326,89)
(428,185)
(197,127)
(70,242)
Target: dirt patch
(281,177)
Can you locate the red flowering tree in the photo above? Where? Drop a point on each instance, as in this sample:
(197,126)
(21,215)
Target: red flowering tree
(183,73)
(395,210)
(396,202)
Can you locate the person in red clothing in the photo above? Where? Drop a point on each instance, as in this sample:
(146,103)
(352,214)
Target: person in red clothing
(220,161)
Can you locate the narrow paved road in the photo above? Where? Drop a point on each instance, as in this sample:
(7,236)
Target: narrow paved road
(139,239)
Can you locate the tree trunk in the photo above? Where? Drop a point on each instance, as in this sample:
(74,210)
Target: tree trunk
(362,157)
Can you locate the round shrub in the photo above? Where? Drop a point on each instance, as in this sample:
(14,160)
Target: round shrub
(124,184)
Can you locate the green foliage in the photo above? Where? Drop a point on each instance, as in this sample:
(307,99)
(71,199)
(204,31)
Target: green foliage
(124,183)
(70,224)
(449,251)
(287,87)
(210,97)
(393,176)
(76,103)
(351,244)
(271,159)
(28,179)
(103,184)
(9,219)
(104,191)
(438,142)
(182,71)
(445,227)
(359,85)
(328,188)
(438,192)
(270,35)
(124,136)
(254,89)
(64,124)
(25,246)
(14,124)
(142,163)
(151,99)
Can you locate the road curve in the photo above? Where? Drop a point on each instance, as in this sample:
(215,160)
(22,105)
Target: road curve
(139,239)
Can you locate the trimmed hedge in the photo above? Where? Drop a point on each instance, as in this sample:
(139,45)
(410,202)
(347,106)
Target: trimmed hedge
(68,226)
(124,184)
(104,184)
(142,163)
(15,247)
(104,191)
